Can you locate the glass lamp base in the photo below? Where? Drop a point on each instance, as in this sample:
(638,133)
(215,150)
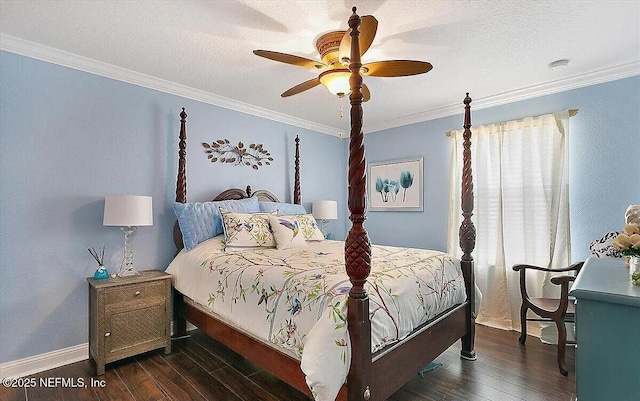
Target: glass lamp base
(323,227)
(126,269)
(127,272)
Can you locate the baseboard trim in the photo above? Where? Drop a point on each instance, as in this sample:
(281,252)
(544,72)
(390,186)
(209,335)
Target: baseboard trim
(46,361)
(50,360)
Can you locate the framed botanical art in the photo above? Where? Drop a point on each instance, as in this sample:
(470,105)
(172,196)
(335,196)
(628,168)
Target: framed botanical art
(395,185)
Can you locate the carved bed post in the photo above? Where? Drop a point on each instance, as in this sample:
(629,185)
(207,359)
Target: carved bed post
(467,235)
(357,245)
(181,182)
(296,185)
(180,328)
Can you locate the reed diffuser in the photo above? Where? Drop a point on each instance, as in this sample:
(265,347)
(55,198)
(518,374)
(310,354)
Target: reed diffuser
(101,272)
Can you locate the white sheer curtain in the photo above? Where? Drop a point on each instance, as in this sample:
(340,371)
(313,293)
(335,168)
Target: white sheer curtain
(521,213)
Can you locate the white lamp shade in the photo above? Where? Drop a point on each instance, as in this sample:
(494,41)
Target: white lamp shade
(127,211)
(325,210)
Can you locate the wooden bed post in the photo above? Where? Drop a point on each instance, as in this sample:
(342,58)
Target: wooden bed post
(181,180)
(296,185)
(467,236)
(181,186)
(357,245)
(180,328)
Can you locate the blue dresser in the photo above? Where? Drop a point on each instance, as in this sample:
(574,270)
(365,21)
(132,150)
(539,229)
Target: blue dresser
(607,331)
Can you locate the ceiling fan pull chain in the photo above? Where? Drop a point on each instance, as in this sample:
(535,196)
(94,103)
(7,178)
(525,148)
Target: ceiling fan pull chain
(341,110)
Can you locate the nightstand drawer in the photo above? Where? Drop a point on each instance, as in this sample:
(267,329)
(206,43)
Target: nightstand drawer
(135,292)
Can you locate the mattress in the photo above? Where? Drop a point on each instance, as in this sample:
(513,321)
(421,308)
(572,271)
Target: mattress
(295,299)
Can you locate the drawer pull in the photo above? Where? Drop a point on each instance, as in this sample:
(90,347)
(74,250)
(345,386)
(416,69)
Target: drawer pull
(137,293)
(107,334)
(367,393)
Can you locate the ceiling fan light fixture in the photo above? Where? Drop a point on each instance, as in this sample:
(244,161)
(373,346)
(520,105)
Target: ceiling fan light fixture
(328,46)
(336,81)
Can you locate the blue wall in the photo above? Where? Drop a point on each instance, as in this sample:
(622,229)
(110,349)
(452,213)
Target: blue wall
(427,229)
(67,139)
(604,147)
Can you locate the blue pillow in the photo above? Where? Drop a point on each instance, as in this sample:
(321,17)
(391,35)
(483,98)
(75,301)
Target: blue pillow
(200,221)
(282,208)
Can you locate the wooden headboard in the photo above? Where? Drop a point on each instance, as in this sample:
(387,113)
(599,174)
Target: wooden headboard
(237,193)
(229,194)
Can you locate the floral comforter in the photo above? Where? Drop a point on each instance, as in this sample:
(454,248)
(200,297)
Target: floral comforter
(295,299)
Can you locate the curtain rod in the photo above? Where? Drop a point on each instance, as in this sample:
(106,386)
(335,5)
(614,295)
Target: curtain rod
(572,112)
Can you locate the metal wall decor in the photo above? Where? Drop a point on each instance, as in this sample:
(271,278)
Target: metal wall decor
(224,152)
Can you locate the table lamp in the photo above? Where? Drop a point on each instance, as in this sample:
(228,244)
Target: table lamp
(127,212)
(324,210)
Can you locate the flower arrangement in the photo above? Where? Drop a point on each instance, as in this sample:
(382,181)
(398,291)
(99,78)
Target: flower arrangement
(628,242)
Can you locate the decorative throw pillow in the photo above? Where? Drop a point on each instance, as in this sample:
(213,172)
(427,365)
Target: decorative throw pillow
(200,221)
(282,208)
(286,231)
(307,224)
(247,230)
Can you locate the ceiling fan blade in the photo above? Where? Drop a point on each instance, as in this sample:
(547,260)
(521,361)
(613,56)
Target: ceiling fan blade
(289,59)
(368,30)
(345,47)
(396,68)
(366,93)
(302,87)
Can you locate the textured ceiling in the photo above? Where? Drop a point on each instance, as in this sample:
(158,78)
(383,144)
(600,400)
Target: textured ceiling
(497,50)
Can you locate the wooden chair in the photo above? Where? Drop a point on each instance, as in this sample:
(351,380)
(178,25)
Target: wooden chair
(559,311)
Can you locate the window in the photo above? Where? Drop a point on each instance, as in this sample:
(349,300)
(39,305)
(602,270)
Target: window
(521,209)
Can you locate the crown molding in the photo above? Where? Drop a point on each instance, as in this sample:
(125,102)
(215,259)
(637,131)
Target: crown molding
(561,85)
(60,57)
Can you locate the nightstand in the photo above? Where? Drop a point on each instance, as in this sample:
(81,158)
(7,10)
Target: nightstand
(129,316)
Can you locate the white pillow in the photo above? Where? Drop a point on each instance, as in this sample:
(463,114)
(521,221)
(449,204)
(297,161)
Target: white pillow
(307,224)
(286,230)
(247,230)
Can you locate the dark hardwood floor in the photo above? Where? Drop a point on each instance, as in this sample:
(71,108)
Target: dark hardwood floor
(201,369)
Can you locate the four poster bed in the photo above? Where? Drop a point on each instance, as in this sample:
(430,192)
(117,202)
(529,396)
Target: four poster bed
(372,375)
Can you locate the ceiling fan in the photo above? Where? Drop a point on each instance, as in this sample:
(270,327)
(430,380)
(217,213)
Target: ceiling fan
(334,48)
